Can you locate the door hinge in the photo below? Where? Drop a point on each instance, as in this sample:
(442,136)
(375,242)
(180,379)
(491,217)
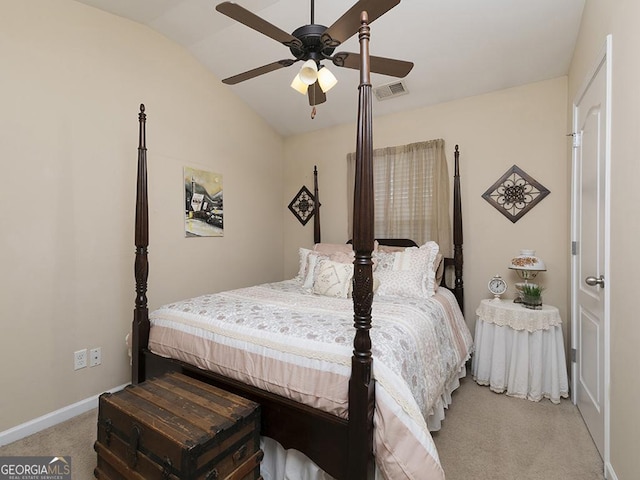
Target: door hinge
(577,139)
(574,248)
(573,355)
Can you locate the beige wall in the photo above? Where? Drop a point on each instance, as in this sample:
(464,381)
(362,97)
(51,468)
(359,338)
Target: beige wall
(523,126)
(620,18)
(71,83)
(71,86)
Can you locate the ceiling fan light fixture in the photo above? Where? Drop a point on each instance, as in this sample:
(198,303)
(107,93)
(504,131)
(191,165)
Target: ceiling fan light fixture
(298,85)
(309,72)
(326,79)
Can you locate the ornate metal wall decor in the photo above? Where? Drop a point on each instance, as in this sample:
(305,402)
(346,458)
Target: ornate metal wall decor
(515,193)
(303,205)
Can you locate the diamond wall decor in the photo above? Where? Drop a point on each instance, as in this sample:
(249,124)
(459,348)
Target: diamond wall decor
(303,205)
(515,193)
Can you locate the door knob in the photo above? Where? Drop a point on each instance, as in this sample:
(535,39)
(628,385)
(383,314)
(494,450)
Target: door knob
(593,281)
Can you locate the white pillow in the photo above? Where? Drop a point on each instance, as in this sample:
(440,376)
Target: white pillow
(310,273)
(303,262)
(331,248)
(433,265)
(400,283)
(333,279)
(383,261)
(413,273)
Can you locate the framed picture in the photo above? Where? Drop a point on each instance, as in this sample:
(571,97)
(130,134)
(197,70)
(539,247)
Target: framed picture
(203,216)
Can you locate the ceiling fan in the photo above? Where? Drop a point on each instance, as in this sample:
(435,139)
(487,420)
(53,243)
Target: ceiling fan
(313,43)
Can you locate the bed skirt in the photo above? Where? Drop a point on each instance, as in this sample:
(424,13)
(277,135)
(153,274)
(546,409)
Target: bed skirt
(282,464)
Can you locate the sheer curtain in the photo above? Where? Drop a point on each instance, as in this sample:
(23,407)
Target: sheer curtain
(411,190)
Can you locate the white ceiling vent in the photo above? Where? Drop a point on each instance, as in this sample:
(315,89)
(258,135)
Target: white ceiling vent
(390,90)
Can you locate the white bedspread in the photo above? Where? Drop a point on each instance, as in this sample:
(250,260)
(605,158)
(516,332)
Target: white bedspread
(296,344)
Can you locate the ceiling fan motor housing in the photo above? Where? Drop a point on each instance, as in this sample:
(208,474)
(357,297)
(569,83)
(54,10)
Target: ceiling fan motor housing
(314,47)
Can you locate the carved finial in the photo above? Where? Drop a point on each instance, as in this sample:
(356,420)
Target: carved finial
(142,108)
(456,148)
(364,17)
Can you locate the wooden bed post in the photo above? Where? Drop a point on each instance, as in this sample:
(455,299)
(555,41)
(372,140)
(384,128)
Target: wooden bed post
(361,384)
(316,207)
(458,289)
(140,327)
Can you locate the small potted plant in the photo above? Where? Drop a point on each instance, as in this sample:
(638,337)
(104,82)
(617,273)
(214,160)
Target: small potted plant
(532,296)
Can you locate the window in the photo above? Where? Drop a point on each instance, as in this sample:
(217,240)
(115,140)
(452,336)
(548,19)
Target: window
(411,193)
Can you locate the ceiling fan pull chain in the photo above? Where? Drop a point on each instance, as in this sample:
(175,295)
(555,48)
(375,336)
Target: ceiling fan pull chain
(313,112)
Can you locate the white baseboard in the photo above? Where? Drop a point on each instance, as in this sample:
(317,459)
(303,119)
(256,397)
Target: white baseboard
(50,419)
(609,474)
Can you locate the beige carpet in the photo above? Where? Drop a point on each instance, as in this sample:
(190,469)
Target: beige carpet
(485,436)
(490,436)
(74,437)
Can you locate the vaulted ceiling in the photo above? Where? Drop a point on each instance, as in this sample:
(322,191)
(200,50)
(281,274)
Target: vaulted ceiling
(460,48)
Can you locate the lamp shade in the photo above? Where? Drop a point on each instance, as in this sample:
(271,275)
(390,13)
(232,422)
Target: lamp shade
(299,85)
(326,79)
(309,72)
(528,261)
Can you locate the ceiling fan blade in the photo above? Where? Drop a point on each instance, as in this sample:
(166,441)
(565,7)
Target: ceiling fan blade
(241,77)
(251,20)
(349,23)
(316,95)
(385,66)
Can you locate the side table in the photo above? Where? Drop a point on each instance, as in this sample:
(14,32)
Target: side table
(520,351)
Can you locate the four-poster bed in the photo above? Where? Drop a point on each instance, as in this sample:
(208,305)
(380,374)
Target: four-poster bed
(338,436)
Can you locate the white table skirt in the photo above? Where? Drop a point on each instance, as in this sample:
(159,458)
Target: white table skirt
(525,364)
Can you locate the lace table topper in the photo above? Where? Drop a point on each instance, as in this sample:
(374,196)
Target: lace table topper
(514,315)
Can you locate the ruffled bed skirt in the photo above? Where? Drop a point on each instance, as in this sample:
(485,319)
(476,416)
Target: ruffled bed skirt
(281,464)
(434,421)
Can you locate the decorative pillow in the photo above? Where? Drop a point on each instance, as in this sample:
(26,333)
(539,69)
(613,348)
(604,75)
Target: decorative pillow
(383,261)
(333,279)
(434,258)
(400,283)
(331,248)
(310,274)
(439,268)
(303,263)
(342,257)
(412,274)
(390,249)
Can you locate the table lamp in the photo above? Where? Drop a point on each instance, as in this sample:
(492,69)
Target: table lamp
(527,266)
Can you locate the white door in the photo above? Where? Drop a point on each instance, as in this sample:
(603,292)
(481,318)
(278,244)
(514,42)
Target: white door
(590,250)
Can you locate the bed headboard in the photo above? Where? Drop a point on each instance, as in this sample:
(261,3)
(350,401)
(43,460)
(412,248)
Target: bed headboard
(396,242)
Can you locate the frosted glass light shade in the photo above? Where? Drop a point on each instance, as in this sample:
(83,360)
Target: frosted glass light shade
(299,85)
(326,79)
(309,72)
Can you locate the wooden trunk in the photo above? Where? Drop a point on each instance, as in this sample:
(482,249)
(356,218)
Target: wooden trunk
(175,427)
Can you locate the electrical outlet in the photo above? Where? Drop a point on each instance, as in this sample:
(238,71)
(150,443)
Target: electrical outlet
(80,359)
(95,356)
